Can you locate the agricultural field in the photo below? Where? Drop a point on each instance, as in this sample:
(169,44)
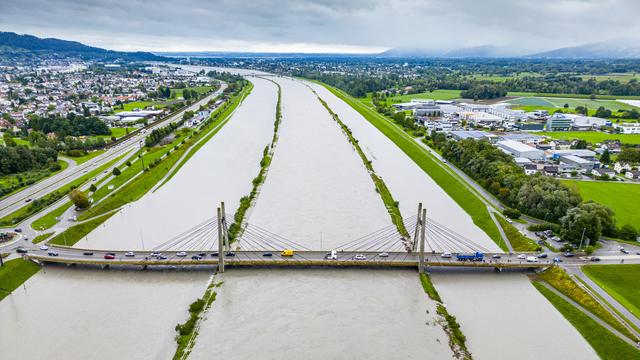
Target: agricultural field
(592,136)
(558,103)
(623,77)
(615,279)
(435,95)
(622,198)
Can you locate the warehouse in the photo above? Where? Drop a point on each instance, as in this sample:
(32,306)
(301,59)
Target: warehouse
(518,149)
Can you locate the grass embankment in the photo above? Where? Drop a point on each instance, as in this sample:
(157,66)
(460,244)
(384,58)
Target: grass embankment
(50,218)
(223,112)
(620,281)
(155,172)
(83,159)
(188,331)
(245,202)
(14,273)
(73,234)
(518,241)
(457,340)
(464,197)
(607,345)
(39,204)
(10,184)
(622,198)
(381,188)
(562,282)
(42,237)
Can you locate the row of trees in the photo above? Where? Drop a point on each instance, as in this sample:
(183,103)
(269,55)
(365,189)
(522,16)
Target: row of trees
(538,196)
(72,125)
(486,91)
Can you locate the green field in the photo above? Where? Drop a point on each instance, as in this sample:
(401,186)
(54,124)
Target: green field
(622,198)
(73,234)
(606,344)
(558,103)
(135,105)
(50,218)
(12,182)
(620,281)
(571,96)
(14,273)
(450,184)
(198,89)
(435,95)
(82,159)
(592,136)
(623,77)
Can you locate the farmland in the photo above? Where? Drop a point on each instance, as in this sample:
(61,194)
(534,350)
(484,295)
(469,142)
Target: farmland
(593,136)
(623,199)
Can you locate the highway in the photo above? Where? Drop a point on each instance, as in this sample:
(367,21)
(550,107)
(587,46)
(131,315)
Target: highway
(16,201)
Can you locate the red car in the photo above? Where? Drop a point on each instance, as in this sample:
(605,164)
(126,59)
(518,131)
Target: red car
(109,256)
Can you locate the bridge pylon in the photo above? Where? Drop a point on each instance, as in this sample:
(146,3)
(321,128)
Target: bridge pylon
(423,234)
(416,233)
(220,242)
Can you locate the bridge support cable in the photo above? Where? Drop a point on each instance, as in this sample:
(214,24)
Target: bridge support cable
(459,242)
(268,236)
(382,239)
(175,242)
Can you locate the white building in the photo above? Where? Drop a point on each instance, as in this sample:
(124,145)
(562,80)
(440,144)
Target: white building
(518,149)
(628,128)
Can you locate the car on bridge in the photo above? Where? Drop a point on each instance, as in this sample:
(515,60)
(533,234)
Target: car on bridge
(44,247)
(267,254)
(287,252)
(384,254)
(53,253)
(333,255)
(22,250)
(360,257)
(129,254)
(446,255)
(181,254)
(196,257)
(214,254)
(109,256)
(230,253)
(88,253)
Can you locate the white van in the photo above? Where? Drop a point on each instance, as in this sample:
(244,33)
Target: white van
(446,255)
(532,259)
(332,256)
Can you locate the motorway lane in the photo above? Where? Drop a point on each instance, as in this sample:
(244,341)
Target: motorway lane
(17,200)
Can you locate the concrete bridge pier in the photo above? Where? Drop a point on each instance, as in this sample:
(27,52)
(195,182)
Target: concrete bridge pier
(423,230)
(220,243)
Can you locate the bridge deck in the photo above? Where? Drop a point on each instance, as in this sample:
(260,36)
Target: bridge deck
(299,259)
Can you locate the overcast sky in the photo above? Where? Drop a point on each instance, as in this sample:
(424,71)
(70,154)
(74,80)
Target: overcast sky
(323,25)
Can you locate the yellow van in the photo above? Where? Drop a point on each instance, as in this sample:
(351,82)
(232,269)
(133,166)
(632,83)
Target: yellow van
(287,252)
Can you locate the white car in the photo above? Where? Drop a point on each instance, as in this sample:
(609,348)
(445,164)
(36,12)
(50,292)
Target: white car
(532,259)
(44,247)
(384,254)
(129,254)
(181,254)
(522,256)
(360,257)
(154,254)
(446,255)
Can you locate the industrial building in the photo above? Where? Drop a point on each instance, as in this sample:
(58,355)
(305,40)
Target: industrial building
(518,149)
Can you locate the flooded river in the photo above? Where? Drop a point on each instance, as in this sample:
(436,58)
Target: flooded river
(93,314)
(317,186)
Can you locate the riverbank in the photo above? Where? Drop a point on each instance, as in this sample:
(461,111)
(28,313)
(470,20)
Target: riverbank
(14,273)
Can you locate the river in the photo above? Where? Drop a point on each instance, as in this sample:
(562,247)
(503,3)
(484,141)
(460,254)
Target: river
(318,187)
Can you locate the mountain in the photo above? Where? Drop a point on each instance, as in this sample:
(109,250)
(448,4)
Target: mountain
(613,49)
(16,46)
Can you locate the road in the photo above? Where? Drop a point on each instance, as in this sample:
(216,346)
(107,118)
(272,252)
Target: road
(16,201)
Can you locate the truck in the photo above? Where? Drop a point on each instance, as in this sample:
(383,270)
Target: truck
(478,256)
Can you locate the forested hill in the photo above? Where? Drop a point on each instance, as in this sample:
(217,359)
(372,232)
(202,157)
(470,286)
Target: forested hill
(24,47)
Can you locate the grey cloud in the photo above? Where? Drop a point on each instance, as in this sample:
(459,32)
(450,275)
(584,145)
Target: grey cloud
(434,24)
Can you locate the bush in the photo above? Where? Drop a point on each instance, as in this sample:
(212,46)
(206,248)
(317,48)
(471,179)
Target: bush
(512,213)
(116,171)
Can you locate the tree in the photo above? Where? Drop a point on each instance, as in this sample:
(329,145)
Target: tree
(628,232)
(8,139)
(115,171)
(605,158)
(591,218)
(79,199)
(93,188)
